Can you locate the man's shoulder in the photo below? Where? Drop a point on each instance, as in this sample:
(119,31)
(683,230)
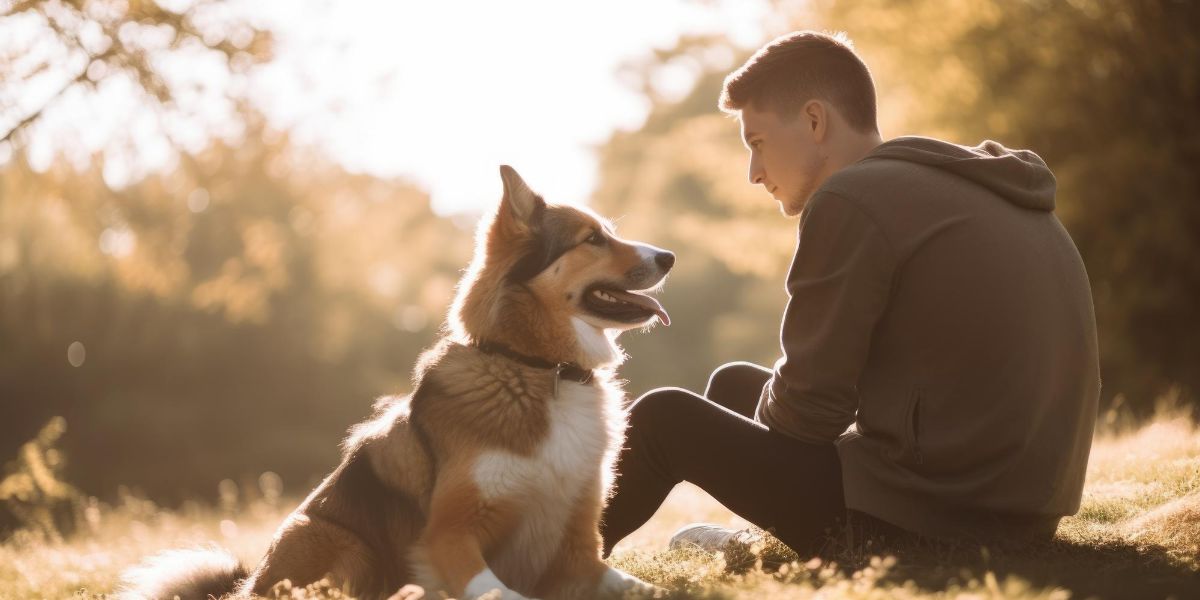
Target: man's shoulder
(863,185)
(872,178)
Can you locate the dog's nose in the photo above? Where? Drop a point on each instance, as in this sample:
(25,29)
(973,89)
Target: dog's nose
(665,260)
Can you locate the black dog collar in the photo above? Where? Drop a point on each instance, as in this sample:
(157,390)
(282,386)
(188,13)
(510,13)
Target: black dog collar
(565,370)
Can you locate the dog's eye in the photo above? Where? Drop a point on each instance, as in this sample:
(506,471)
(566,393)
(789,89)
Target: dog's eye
(596,239)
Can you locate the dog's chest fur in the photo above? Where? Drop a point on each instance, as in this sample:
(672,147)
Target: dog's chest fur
(586,428)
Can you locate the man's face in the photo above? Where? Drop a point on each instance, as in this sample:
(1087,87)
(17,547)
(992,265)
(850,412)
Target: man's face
(785,157)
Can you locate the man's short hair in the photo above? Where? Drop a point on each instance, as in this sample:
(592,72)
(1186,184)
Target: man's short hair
(801,66)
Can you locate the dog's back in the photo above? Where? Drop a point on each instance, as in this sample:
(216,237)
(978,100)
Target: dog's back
(360,523)
(356,527)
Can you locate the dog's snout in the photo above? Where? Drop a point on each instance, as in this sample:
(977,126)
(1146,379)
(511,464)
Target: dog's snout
(665,260)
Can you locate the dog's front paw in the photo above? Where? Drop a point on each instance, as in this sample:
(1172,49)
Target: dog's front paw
(616,583)
(486,586)
(411,591)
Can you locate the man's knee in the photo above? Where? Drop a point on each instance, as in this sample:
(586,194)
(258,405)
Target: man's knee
(735,378)
(661,407)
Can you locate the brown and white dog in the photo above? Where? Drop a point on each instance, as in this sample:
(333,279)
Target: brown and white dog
(492,474)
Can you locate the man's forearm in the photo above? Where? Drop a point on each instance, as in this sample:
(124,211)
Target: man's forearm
(809,417)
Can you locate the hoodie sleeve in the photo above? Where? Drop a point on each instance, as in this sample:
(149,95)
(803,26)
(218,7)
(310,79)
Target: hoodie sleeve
(838,287)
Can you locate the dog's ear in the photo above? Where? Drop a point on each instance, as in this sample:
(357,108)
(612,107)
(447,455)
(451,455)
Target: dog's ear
(519,204)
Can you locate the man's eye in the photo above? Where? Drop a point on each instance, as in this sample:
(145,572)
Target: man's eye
(755,144)
(596,239)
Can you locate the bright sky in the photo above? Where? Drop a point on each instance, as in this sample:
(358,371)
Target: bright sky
(439,92)
(444,92)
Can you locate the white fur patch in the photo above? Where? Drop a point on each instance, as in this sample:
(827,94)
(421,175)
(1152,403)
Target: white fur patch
(194,573)
(580,448)
(486,581)
(595,343)
(616,582)
(423,573)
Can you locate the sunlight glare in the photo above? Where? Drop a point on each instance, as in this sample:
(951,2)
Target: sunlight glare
(445,92)
(76,354)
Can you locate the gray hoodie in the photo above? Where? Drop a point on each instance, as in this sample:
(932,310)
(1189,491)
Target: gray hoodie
(940,331)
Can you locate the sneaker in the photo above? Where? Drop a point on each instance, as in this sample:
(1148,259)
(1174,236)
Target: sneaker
(711,538)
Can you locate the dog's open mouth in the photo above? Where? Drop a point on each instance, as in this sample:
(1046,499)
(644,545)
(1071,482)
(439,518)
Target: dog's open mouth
(623,306)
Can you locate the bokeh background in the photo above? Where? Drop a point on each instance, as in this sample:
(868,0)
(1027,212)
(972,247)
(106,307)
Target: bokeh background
(226,227)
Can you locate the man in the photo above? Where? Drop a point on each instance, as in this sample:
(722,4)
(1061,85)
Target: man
(939,375)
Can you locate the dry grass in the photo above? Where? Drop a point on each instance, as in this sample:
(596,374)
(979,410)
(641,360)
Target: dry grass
(1137,535)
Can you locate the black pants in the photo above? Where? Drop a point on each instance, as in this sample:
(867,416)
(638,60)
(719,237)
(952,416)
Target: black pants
(776,482)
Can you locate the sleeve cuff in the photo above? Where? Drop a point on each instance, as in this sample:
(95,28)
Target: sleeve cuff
(811,431)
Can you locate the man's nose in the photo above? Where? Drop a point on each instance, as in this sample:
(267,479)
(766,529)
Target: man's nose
(756,173)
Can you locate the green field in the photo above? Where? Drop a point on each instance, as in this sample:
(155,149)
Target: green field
(1137,535)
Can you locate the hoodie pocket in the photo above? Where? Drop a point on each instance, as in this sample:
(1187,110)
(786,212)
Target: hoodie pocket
(912,425)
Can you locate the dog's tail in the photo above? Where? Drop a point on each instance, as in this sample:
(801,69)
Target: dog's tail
(194,574)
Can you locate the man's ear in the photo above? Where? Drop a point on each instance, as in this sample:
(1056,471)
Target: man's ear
(816,117)
(519,206)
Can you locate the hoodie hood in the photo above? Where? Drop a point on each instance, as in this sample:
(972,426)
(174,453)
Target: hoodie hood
(1019,176)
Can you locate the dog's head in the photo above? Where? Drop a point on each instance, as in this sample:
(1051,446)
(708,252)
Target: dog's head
(555,281)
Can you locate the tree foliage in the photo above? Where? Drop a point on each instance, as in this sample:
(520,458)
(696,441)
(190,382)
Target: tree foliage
(229,313)
(233,315)
(173,57)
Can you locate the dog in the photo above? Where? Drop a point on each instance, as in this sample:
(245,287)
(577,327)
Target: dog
(490,477)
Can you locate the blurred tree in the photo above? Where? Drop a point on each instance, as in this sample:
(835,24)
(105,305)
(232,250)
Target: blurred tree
(52,47)
(230,316)
(227,310)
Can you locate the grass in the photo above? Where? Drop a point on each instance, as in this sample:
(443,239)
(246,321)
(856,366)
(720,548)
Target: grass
(1137,535)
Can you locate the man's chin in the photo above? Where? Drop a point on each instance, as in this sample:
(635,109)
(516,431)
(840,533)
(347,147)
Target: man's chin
(791,208)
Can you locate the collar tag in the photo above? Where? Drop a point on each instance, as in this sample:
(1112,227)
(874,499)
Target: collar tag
(557,376)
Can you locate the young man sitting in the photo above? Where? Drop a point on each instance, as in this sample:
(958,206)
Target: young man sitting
(939,374)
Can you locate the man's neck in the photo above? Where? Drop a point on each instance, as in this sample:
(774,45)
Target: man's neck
(852,149)
(858,146)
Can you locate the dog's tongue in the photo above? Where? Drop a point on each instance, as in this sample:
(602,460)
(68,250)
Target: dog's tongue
(645,302)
